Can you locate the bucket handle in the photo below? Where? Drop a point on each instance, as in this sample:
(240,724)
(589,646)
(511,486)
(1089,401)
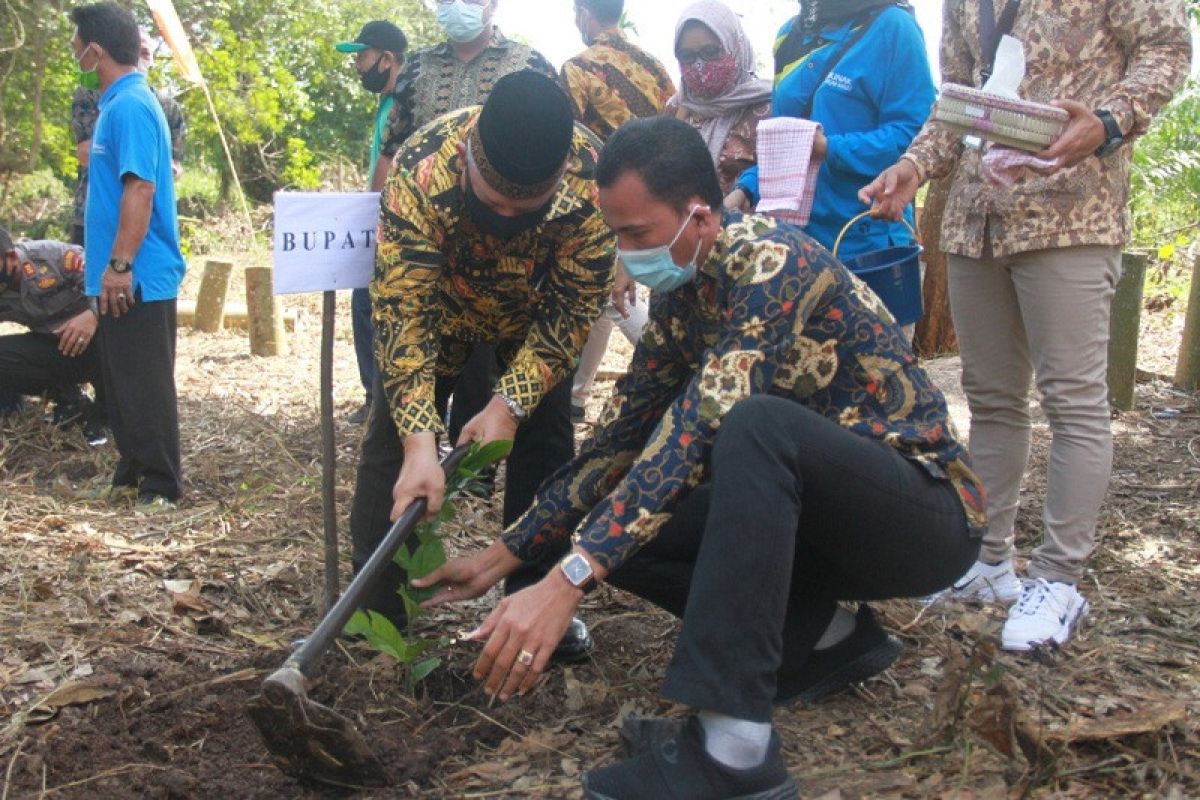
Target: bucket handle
(846,227)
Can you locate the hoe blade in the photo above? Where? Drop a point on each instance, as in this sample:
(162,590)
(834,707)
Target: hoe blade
(308,740)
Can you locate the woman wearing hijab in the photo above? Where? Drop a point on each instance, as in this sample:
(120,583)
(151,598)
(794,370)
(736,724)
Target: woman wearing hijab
(860,69)
(720,94)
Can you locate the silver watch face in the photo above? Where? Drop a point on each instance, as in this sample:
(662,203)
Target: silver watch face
(577,569)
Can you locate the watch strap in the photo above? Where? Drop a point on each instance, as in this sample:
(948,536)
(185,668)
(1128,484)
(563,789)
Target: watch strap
(1113,137)
(514,408)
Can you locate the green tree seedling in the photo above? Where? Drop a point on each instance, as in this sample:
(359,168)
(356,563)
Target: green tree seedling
(411,652)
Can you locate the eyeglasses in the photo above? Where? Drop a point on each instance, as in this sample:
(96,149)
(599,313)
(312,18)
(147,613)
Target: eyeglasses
(708,53)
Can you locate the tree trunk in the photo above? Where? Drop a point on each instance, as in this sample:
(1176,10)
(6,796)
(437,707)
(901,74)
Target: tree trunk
(1124,325)
(267,337)
(935,332)
(35,108)
(210,302)
(1187,368)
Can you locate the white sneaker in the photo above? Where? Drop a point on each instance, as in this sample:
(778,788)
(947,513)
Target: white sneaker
(1047,612)
(983,583)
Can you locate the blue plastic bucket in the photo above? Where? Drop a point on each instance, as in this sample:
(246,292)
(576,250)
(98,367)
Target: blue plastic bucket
(894,274)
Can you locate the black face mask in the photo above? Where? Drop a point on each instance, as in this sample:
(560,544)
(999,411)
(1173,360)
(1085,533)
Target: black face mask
(375,79)
(498,225)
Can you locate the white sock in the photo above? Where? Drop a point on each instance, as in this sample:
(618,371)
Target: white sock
(840,627)
(736,743)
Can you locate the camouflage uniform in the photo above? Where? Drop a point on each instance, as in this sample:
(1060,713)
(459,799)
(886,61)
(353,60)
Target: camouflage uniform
(85,108)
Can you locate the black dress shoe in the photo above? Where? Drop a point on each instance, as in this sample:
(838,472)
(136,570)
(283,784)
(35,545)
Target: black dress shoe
(576,644)
(865,653)
(360,414)
(678,766)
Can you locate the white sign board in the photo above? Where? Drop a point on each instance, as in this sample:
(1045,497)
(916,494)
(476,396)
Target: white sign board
(324,240)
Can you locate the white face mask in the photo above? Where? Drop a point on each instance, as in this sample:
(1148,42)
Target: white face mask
(462,21)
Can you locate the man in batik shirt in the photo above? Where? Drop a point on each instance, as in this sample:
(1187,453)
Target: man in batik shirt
(610,83)
(773,449)
(613,80)
(454,74)
(489,232)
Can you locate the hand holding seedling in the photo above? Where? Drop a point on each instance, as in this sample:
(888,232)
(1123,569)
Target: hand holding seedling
(468,577)
(494,423)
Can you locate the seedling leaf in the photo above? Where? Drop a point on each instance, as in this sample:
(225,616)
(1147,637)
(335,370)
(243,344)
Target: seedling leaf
(421,670)
(426,558)
(482,457)
(379,632)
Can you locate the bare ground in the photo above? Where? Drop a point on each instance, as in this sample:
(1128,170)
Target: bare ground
(129,644)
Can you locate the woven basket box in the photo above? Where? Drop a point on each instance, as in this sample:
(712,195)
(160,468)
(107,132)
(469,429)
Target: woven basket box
(1015,123)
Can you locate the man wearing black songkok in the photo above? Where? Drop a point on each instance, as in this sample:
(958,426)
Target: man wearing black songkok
(489,232)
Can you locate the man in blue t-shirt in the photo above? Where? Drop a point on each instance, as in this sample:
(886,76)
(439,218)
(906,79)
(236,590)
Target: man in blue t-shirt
(132,256)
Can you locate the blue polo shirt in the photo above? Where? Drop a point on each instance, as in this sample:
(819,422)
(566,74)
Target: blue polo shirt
(131,139)
(871,106)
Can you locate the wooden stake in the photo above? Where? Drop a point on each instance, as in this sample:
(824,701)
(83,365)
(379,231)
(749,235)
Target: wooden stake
(210,302)
(236,316)
(1123,328)
(1187,368)
(267,337)
(329,452)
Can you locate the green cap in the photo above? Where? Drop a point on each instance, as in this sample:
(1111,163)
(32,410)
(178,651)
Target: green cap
(380,34)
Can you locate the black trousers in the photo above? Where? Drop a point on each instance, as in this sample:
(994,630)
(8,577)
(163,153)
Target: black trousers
(138,367)
(800,513)
(543,443)
(30,363)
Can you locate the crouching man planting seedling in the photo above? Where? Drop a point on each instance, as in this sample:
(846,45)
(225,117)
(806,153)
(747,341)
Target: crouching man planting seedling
(774,449)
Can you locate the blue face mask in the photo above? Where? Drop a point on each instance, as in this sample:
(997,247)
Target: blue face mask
(462,21)
(656,268)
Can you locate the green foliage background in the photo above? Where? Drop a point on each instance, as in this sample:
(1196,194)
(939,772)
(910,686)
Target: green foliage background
(296,116)
(289,102)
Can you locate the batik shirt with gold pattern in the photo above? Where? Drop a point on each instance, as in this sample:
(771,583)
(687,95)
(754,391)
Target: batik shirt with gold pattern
(441,285)
(770,312)
(614,81)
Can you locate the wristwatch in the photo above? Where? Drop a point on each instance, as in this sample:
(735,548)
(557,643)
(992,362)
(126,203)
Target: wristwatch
(119,265)
(1112,132)
(578,572)
(514,408)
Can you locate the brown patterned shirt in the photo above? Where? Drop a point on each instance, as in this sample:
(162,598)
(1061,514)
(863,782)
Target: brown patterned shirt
(441,285)
(739,152)
(435,82)
(1126,56)
(614,81)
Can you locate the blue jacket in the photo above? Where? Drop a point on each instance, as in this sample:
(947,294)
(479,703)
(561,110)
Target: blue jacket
(871,106)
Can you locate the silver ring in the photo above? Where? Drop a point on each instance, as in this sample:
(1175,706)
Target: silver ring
(525,657)
(122,296)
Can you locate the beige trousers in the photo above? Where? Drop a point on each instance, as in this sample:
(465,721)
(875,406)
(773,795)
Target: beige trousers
(1045,314)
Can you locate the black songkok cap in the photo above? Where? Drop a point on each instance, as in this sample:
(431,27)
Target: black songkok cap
(524,134)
